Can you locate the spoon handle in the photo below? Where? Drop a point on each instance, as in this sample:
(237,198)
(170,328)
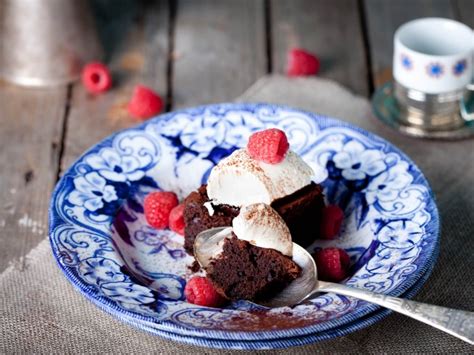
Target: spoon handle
(455,322)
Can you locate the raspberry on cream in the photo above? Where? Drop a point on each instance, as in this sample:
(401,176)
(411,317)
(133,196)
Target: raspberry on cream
(262,226)
(240,180)
(269,146)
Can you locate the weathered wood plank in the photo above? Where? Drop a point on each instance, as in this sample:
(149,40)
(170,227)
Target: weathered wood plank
(140,57)
(464,11)
(30,138)
(219,50)
(330,29)
(384,17)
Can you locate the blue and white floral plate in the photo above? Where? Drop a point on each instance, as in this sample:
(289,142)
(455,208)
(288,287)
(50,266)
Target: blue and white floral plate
(282,343)
(105,248)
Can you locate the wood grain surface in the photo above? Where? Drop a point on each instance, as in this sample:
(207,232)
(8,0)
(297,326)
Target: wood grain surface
(31,123)
(464,11)
(219,50)
(330,29)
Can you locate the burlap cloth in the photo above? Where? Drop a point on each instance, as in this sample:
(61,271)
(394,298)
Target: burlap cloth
(42,313)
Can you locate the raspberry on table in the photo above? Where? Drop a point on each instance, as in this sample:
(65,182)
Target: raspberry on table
(199,290)
(269,146)
(176,219)
(158,206)
(96,78)
(331,222)
(302,63)
(145,103)
(332,264)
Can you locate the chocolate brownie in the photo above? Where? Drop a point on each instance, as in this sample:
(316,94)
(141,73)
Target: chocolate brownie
(301,211)
(245,271)
(197,218)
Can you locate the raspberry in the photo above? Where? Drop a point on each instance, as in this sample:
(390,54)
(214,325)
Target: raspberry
(301,63)
(331,222)
(176,220)
(96,78)
(269,146)
(158,206)
(199,290)
(332,263)
(145,103)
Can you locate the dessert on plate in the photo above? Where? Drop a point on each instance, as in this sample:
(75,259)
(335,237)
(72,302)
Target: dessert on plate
(265,193)
(279,178)
(256,259)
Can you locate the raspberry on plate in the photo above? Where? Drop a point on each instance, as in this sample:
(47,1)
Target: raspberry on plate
(199,290)
(176,220)
(332,217)
(158,206)
(145,103)
(302,63)
(269,146)
(332,264)
(96,78)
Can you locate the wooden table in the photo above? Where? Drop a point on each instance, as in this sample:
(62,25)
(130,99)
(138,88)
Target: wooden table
(192,52)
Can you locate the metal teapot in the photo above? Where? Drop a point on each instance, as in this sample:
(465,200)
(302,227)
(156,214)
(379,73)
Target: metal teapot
(46,42)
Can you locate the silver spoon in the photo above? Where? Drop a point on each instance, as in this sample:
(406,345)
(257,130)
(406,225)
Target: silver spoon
(459,323)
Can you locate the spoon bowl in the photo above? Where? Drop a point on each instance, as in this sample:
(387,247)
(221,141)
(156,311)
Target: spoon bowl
(209,243)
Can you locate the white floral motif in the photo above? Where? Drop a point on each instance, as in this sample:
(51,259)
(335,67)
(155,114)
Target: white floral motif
(128,292)
(241,126)
(175,127)
(400,234)
(144,309)
(390,260)
(91,190)
(100,270)
(204,133)
(387,186)
(356,162)
(115,167)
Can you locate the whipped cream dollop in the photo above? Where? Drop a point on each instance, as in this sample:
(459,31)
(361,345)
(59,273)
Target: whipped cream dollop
(262,226)
(239,180)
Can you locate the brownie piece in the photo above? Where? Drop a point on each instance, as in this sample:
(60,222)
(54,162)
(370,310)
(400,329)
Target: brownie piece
(245,271)
(302,212)
(197,218)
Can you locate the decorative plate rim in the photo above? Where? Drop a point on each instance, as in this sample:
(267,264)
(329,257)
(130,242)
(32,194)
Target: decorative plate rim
(426,260)
(279,343)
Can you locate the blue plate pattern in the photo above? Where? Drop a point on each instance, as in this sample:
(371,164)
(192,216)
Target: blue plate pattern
(281,343)
(98,232)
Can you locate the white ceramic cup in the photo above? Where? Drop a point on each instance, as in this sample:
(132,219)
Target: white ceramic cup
(433,55)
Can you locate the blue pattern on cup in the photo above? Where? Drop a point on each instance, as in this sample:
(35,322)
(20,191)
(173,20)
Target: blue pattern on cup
(435,70)
(460,67)
(407,63)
